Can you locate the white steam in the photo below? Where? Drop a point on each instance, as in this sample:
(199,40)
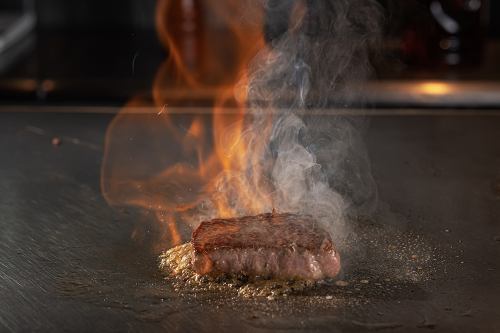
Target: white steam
(313,165)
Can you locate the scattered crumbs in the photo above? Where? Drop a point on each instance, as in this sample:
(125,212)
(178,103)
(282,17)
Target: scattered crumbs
(341,283)
(56,141)
(364,278)
(176,263)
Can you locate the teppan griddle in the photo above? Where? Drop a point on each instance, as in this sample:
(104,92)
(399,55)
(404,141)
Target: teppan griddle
(67,261)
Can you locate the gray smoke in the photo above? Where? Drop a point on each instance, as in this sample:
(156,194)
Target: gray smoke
(319,53)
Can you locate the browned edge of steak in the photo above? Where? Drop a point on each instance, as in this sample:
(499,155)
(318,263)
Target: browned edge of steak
(287,234)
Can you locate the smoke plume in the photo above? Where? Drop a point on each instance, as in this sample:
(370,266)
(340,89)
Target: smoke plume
(292,151)
(319,53)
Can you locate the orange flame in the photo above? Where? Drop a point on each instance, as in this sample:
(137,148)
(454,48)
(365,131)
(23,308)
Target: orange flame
(167,163)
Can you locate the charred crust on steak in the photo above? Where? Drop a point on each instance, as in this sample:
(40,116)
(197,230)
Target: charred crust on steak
(269,230)
(272,245)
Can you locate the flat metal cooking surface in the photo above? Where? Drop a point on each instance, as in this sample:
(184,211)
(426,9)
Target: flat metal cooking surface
(67,261)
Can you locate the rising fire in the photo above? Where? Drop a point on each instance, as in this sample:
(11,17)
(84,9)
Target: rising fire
(167,163)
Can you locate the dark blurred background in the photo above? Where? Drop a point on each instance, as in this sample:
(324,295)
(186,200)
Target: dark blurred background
(139,14)
(105,52)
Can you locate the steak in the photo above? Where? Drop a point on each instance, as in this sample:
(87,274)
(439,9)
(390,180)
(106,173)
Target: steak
(283,246)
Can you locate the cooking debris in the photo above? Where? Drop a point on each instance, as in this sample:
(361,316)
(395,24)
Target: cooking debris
(408,259)
(176,262)
(341,283)
(56,141)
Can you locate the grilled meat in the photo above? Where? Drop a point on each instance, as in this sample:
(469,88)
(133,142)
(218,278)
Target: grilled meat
(283,246)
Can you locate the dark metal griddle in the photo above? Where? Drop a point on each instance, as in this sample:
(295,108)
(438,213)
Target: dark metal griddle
(67,262)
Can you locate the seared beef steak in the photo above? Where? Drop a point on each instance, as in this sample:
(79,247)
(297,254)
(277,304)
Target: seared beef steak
(282,246)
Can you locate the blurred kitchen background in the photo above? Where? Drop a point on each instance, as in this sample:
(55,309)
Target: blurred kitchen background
(95,52)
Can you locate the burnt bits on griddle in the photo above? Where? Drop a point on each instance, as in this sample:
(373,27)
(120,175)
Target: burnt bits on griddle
(282,246)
